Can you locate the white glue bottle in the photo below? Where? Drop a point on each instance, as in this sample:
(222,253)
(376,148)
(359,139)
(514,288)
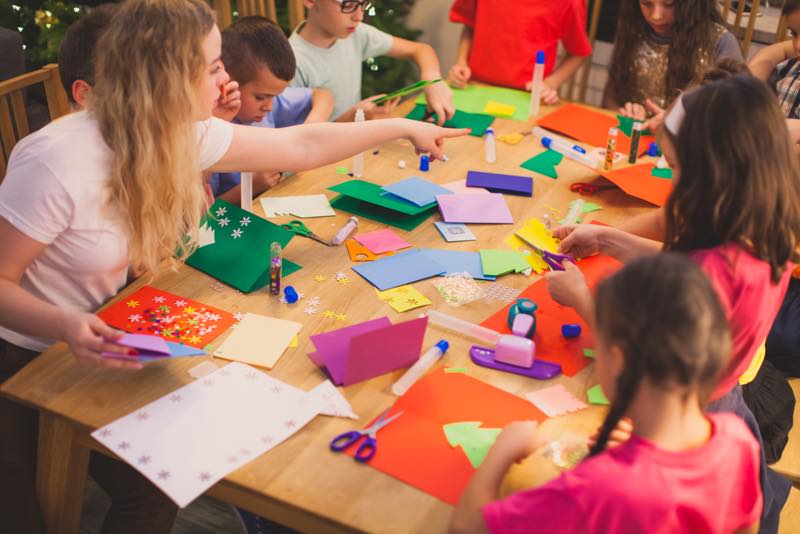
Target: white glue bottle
(490,145)
(536,85)
(358,159)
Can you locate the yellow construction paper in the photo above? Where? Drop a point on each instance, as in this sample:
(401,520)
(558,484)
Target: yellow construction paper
(535,233)
(499,109)
(258,340)
(534,260)
(403,298)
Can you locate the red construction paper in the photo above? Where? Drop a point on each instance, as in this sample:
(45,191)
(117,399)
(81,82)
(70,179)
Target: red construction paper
(413,448)
(174,318)
(638,181)
(550,344)
(589,126)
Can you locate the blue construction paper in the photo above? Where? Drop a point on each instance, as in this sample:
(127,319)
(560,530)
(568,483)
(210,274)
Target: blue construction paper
(501,183)
(398,270)
(179,349)
(457,261)
(416,190)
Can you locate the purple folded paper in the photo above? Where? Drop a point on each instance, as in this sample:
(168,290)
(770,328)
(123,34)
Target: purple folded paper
(501,183)
(366,350)
(150,348)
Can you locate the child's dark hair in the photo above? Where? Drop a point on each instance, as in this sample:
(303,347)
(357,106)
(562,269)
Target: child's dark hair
(251,42)
(790,6)
(691,35)
(664,316)
(739,177)
(76,54)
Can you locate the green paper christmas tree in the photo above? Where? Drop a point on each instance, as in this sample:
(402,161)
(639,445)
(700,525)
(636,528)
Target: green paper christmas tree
(473,440)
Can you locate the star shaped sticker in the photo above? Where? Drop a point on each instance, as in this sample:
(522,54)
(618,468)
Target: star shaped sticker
(329,314)
(320,278)
(341,317)
(132,303)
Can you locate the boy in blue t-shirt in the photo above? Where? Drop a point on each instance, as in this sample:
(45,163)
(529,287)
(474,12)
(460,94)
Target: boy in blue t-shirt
(257,55)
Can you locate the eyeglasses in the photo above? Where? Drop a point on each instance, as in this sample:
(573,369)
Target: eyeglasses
(350,6)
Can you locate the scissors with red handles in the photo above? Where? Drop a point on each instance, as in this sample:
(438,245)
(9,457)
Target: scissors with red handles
(583,188)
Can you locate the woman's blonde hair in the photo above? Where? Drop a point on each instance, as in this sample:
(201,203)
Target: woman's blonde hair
(149,64)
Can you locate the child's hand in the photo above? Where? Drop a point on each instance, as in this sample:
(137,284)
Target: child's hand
(579,240)
(428,138)
(517,441)
(88,337)
(374,111)
(229,102)
(634,111)
(621,433)
(657,119)
(263,181)
(548,96)
(459,75)
(568,287)
(440,101)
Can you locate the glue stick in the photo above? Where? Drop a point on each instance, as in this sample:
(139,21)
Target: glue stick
(275,266)
(536,84)
(358,159)
(345,232)
(611,148)
(490,146)
(636,135)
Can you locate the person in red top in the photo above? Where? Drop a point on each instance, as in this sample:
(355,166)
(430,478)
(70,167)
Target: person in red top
(682,471)
(500,39)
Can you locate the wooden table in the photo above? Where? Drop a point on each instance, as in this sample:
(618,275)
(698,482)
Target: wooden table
(299,483)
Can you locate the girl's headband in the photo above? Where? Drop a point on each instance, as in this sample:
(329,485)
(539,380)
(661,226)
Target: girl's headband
(675,117)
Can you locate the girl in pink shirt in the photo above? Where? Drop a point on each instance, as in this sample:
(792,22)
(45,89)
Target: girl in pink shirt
(682,470)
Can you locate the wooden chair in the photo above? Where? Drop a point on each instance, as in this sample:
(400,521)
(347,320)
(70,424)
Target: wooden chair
(265,8)
(14,119)
(745,35)
(582,75)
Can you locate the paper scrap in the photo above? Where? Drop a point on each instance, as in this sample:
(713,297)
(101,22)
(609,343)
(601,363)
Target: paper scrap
(403,298)
(342,170)
(454,232)
(303,206)
(382,241)
(589,353)
(595,395)
(473,440)
(589,207)
(500,262)
(359,252)
(511,139)
(416,190)
(555,400)
(455,369)
(662,173)
(499,109)
(258,340)
(501,183)
(458,261)
(544,163)
(331,401)
(294,343)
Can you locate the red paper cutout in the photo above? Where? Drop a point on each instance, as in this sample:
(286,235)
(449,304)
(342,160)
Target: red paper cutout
(638,181)
(413,448)
(550,344)
(174,318)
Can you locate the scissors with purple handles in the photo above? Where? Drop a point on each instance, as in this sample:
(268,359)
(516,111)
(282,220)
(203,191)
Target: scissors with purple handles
(553,260)
(367,449)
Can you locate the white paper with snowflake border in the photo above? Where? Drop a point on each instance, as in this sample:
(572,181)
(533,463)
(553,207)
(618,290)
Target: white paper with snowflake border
(193,437)
(258,340)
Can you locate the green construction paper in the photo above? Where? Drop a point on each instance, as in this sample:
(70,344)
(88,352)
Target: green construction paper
(477,122)
(589,353)
(473,440)
(341,170)
(379,214)
(500,262)
(544,163)
(374,194)
(589,207)
(455,369)
(241,262)
(473,99)
(662,173)
(595,395)
(418,86)
(626,126)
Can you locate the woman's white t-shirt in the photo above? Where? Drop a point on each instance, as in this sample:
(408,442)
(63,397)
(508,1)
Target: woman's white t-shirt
(55,193)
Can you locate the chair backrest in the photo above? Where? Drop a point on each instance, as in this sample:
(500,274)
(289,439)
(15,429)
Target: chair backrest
(265,8)
(744,35)
(13,117)
(576,90)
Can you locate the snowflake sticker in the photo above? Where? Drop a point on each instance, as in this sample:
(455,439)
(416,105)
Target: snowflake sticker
(236,234)
(224,222)
(132,303)
(339,275)
(188,310)
(238,316)
(144,460)
(123,446)
(341,317)
(204,477)
(343,281)
(135,318)
(176,398)
(245,221)
(309,310)
(159,299)
(105,433)
(212,316)
(163,474)
(221,211)
(320,278)
(142,416)
(180,303)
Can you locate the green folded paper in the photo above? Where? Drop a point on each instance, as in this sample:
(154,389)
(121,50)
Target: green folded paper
(374,194)
(380,214)
(239,253)
(500,262)
(473,99)
(477,122)
(626,126)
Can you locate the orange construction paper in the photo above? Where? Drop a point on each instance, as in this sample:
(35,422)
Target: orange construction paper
(413,448)
(550,344)
(359,252)
(638,181)
(589,126)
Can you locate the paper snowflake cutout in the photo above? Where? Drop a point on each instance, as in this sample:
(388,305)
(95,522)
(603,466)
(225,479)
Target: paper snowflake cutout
(313,301)
(132,303)
(320,278)
(224,222)
(238,316)
(340,274)
(236,234)
(221,211)
(282,299)
(309,310)
(159,299)
(180,303)
(135,318)
(245,221)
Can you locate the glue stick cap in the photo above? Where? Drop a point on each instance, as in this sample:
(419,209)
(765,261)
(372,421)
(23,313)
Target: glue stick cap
(489,130)
(540,57)
(546,142)
(443,345)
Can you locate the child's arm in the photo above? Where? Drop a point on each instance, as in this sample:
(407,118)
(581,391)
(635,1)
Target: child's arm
(766,59)
(651,225)
(321,106)
(583,240)
(460,73)
(313,145)
(561,74)
(371,110)
(227,108)
(516,442)
(438,95)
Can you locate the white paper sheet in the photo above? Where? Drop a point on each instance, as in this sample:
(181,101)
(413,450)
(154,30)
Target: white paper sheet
(191,438)
(331,401)
(304,206)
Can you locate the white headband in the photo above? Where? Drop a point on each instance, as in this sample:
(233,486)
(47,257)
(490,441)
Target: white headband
(675,117)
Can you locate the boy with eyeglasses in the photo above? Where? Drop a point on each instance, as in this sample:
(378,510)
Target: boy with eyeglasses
(333,42)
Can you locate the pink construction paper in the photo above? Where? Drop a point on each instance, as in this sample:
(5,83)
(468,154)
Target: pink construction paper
(380,241)
(459,187)
(363,351)
(490,208)
(555,400)
(147,346)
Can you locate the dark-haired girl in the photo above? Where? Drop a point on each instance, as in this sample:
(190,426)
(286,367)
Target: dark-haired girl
(664,45)
(682,470)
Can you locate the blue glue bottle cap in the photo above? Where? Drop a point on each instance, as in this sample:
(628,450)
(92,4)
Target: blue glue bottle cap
(443,345)
(540,57)
(290,294)
(424,162)
(570,330)
(653,150)
(546,142)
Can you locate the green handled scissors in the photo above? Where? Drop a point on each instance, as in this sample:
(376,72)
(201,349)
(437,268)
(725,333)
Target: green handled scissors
(301,229)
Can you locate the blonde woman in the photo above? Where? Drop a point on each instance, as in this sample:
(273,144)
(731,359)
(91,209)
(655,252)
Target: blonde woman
(97,191)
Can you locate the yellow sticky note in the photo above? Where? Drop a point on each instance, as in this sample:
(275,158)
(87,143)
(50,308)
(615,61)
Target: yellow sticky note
(499,109)
(294,342)
(403,298)
(258,340)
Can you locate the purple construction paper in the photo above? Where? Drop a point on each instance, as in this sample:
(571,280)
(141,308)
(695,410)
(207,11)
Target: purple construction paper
(490,208)
(385,350)
(333,348)
(148,346)
(501,183)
